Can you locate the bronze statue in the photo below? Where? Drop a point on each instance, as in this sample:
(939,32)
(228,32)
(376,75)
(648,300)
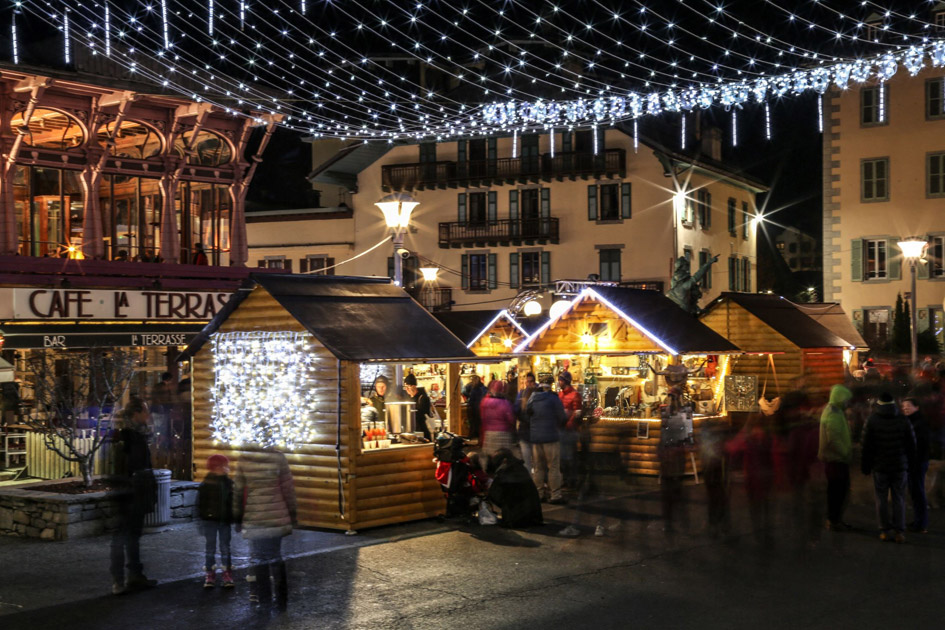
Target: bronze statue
(685,289)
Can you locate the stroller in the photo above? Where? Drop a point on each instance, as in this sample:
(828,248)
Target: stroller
(462,482)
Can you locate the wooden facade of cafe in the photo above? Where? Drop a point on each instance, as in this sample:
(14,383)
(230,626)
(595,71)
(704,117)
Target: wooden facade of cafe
(352,322)
(612,327)
(784,347)
(96,171)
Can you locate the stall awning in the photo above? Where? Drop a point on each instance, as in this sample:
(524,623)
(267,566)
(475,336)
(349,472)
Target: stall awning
(831,316)
(356,318)
(787,319)
(660,325)
(26,335)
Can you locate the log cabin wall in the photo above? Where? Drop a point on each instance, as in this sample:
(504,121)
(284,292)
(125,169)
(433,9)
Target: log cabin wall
(824,369)
(752,335)
(396,485)
(315,467)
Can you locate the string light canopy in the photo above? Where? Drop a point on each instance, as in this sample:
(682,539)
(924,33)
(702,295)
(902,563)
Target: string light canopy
(394,70)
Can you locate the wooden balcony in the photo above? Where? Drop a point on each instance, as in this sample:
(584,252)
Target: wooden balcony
(499,232)
(527,169)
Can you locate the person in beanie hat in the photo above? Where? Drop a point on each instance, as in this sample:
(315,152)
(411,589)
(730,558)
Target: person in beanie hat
(215,507)
(888,454)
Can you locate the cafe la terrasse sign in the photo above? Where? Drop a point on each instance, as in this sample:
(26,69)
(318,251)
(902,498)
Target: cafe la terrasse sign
(22,304)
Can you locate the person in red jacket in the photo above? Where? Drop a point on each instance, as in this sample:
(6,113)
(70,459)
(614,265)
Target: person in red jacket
(571,431)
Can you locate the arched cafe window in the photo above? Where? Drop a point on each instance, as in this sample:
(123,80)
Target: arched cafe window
(49,129)
(133,139)
(209,149)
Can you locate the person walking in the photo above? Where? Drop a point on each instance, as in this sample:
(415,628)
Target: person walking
(498,420)
(571,432)
(524,425)
(923,438)
(264,508)
(834,450)
(888,453)
(473,393)
(546,416)
(215,507)
(134,491)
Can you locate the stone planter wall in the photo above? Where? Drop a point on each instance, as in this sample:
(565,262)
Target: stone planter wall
(49,516)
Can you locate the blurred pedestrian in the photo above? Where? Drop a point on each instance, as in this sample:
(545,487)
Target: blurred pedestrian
(134,491)
(754,445)
(570,433)
(265,511)
(715,476)
(498,420)
(888,453)
(920,428)
(473,393)
(835,450)
(215,508)
(546,416)
(804,473)
(524,426)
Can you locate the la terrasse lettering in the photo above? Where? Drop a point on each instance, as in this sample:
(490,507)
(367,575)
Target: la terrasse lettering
(77,304)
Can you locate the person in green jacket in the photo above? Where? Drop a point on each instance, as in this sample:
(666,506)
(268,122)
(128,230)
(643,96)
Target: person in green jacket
(834,451)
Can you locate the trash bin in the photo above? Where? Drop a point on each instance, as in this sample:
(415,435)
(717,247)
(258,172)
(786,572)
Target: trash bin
(161,516)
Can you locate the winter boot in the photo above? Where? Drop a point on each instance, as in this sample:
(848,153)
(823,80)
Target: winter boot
(210,578)
(228,578)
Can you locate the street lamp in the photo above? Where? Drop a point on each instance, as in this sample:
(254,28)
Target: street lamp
(396,208)
(913,248)
(429,273)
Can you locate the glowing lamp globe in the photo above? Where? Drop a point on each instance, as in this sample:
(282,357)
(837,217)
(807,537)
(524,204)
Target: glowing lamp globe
(532,308)
(396,208)
(558,308)
(912,247)
(429,273)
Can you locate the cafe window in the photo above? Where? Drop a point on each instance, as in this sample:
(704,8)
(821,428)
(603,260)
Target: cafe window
(49,129)
(204,219)
(50,211)
(208,148)
(131,139)
(131,217)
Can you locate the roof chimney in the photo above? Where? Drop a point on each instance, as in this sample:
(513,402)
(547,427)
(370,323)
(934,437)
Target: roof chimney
(712,143)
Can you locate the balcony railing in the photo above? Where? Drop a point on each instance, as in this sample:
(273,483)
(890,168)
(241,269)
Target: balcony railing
(433,299)
(500,232)
(420,175)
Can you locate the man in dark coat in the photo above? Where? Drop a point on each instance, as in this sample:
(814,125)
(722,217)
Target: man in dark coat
(134,491)
(923,438)
(421,402)
(546,416)
(473,393)
(888,453)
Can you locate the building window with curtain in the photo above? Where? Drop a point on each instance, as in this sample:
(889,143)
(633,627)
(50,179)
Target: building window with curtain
(875,261)
(609,202)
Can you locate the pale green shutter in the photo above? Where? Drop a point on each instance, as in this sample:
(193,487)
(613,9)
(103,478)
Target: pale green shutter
(708,210)
(493,282)
(513,270)
(856,260)
(625,201)
(592,202)
(545,203)
(922,271)
(513,205)
(893,259)
(545,269)
(492,209)
(747,275)
(464,271)
(461,207)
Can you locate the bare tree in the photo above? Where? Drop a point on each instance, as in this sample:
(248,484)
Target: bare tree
(76,393)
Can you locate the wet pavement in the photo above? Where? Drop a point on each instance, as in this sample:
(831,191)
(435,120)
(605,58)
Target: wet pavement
(451,575)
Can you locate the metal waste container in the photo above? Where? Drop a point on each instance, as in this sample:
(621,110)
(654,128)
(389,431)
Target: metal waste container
(161,516)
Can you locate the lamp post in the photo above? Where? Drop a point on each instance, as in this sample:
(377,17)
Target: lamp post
(397,208)
(913,248)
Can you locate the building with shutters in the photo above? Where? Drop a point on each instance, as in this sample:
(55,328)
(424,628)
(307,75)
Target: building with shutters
(884,180)
(501,214)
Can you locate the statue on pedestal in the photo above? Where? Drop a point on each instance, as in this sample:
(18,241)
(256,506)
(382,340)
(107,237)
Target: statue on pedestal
(685,289)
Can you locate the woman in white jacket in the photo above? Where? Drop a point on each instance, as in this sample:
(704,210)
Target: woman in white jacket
(265,512)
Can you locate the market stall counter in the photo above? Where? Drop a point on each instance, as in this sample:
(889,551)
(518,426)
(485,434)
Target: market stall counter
(293,363)
(647,372)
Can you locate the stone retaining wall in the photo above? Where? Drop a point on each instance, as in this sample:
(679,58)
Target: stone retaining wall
(49,516)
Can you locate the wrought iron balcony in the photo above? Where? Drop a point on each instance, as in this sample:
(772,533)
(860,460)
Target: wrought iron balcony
(434,299)
(421,175)
(499,232)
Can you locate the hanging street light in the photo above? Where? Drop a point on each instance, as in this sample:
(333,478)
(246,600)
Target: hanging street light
(396,208)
